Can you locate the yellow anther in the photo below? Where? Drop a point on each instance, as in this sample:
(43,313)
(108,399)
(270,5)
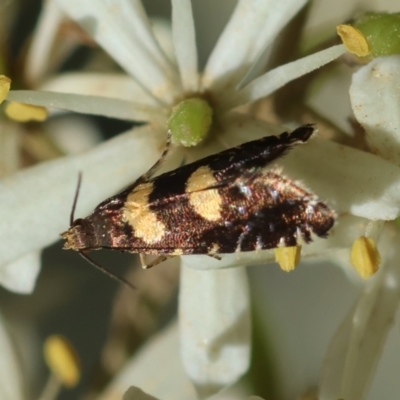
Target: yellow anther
(354,41)
(5,83)
(21,112)
(288,257)
(364,256)
(62,360)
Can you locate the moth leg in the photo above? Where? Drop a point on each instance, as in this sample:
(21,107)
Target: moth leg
(215,257)
(157,261)
(145,177)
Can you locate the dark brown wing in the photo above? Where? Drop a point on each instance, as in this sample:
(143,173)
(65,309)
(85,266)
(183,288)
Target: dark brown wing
(266,212)
(223,203)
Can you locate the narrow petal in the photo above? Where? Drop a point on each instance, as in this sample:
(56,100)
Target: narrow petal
(36,202)
(37,60)
(11,383)
(321,17)
(214,318)
(185,43)
(278,77)
(156,369)
(336,173)
(375,101)
(104,106)
(162,29)
(329,98)
(38,57)
(296,314)
(118,86)
(121,27)
(357,346)
(72,134)
(253,25)
(20,275)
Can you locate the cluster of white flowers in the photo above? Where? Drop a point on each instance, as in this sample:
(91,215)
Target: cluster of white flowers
(213,332)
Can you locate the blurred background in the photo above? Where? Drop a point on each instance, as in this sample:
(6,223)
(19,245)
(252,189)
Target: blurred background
(105,321)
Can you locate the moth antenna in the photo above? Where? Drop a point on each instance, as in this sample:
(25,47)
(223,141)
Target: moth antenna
(167,148)
(78,187)
(106,271)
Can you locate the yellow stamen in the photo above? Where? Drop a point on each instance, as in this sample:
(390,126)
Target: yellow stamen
(354,41)
(21,112)
(5,83)
(288,257)
(364,256)
(62,360)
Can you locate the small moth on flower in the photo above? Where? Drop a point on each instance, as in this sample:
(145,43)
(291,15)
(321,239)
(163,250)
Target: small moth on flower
(225,203)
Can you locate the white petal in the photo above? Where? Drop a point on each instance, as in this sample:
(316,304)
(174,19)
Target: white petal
(94,105)
(375,99)
(119,86)
(134,393)
(11,387)
(278,77)
(36,202)
(185,43)
(322,17)
(73,134)
(297,313)
(162,29)
(38,57)
(348,179)
(253,25)
(156,368)
(329,97)
(20,275)
(357,346)
(122,29)
(214,318)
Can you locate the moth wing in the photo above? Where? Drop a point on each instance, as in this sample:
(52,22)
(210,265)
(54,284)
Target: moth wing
(257,153)
(231,163)
(258,209)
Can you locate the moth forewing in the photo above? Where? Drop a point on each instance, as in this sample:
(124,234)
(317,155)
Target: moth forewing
(228,202)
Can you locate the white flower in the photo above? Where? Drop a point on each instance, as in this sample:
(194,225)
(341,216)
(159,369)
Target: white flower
(366,335)
(215,348)
(355,350)
(124,31)
(155,81)
(168,380)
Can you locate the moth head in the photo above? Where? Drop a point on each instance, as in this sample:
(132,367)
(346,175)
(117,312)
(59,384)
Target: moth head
(79,236)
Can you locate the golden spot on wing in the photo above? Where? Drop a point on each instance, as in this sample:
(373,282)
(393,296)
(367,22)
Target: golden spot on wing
(206,202)
(214,249)
(148,228)
(202,178)
(137,214)
(177,252)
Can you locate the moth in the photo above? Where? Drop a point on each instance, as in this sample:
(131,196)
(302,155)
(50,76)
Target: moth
(224,203)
